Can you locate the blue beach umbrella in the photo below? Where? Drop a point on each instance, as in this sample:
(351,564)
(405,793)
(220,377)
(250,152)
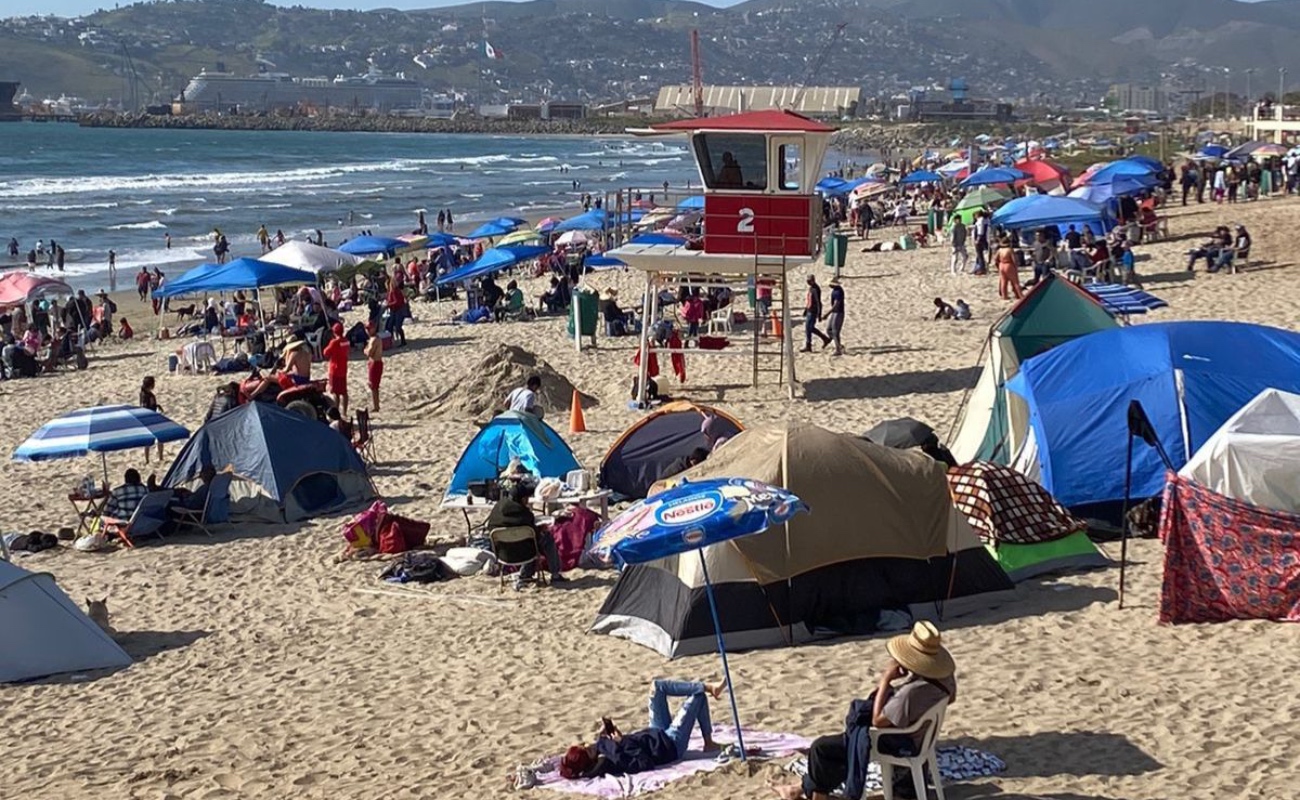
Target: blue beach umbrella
(102,429)
(693,203)
(922,176)
(692,516)
(994,175)
(491,229)
(371,245)
(494,260)
(513,222)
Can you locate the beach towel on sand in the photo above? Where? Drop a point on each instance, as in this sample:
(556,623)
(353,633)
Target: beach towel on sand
(772,745)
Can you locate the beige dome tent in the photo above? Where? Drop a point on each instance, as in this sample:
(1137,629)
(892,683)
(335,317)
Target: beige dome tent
(1255,456)
(882,536)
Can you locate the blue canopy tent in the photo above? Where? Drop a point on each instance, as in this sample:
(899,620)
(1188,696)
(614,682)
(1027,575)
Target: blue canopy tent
(828,186)
(696,202)
(515,221)
(494,260)
(993,175)
(603,262)
(593,220)
(921,176)
(1213,151)
(1126,168)
(372,245)
(512,434)
(1040,210)
(1189,376)
(440,239)
(492,229)
(242,273)
(304,468)
(1101,193)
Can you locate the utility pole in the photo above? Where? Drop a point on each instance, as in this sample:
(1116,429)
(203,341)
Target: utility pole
(1227,93)
(1281,85)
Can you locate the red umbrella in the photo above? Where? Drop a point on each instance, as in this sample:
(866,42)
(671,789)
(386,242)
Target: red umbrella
(1041,171)
(17,288)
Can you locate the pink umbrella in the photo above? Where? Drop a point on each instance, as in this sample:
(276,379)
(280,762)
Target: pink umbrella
(548,223)
(17,288)
(572,237)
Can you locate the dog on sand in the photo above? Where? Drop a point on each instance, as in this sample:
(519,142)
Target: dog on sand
(97,610)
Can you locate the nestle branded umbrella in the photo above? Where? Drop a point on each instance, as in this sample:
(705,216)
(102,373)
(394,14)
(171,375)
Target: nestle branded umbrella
(372,245)
(102,429)
(692,516)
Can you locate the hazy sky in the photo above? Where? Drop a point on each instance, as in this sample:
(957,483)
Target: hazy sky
(72,8)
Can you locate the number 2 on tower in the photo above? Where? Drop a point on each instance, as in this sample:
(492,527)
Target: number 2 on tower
(746,224)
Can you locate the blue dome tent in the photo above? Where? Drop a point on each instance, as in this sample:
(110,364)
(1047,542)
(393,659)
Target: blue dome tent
(1189,376)
(511,435)
(304,467)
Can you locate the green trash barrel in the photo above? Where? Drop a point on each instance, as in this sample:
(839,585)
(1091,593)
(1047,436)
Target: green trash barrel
(837,248)
(588,312)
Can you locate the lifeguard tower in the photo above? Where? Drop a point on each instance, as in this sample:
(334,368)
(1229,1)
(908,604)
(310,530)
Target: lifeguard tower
(761,217)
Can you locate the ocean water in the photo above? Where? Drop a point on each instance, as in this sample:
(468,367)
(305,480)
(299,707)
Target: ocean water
(96,189)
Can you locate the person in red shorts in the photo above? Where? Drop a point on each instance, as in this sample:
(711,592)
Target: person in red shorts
(336,353)
(374,364)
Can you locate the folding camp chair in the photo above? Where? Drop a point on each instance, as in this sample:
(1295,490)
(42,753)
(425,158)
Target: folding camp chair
(218,492)
(149,517)
(515,547)
(364,437)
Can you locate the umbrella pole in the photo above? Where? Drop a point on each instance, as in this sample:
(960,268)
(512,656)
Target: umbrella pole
(103,459)
(722,650)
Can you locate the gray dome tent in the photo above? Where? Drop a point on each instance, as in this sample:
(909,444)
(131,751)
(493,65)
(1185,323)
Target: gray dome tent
(306,468)
(44,632)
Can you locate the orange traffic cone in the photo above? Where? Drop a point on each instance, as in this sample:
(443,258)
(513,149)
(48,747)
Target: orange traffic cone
(577,424)
(777,329)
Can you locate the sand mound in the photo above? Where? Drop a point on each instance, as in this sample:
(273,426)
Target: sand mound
(481,391)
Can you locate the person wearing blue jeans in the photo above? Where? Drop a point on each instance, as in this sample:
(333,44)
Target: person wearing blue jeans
(664,742)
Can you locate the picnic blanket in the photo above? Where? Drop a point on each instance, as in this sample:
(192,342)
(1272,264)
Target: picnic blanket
(1004,506)
(956,763)
(772,745)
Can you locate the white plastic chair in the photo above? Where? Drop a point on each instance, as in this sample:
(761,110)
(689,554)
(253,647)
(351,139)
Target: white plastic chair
(934,720)
(720,321)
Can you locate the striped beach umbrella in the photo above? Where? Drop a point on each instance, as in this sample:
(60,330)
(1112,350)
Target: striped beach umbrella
(103,429)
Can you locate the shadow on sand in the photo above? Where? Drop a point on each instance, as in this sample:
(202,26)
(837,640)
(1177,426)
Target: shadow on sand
(939,381)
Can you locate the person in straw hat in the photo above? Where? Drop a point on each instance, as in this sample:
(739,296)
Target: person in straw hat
(297,360)
(919,675)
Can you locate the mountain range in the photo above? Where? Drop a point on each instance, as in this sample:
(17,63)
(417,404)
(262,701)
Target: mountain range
(1061,51)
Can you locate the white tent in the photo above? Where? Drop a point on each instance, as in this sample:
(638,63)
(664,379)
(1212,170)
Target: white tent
(310,257)
(1254,457)
(42,632)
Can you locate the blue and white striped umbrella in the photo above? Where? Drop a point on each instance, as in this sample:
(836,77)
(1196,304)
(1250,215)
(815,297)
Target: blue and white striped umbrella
(103,429)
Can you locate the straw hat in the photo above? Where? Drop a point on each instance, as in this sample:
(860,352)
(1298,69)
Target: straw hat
(922,652)
(295,341)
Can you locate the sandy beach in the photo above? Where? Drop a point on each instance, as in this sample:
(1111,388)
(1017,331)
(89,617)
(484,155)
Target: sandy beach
(264,669)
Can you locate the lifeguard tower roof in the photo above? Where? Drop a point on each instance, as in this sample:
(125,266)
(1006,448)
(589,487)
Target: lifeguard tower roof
(753,121)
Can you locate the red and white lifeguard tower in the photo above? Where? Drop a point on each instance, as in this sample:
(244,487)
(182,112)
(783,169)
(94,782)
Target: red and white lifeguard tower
(761,217)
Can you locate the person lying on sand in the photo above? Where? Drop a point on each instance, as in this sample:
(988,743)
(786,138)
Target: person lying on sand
(919,675)
(663,742)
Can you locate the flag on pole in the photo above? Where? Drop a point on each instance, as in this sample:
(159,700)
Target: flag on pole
(491,51)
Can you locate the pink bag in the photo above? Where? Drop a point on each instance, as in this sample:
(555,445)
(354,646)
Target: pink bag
(362,531)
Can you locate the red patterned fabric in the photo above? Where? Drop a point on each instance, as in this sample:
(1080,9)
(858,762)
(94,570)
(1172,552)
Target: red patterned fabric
(1004,506)
(1225,559)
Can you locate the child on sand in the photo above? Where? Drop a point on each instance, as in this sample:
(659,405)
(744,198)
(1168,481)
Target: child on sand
(374,364)
(149,400)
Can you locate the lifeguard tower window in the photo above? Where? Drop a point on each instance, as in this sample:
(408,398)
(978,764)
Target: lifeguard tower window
(732,160)
(791,167)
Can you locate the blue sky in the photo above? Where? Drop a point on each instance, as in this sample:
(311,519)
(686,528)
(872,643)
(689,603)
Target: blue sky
(72,8)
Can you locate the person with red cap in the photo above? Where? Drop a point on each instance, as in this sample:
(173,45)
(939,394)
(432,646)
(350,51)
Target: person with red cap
(336,353)
(664,742)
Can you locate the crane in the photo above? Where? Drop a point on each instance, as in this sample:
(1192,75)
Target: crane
(817,65)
